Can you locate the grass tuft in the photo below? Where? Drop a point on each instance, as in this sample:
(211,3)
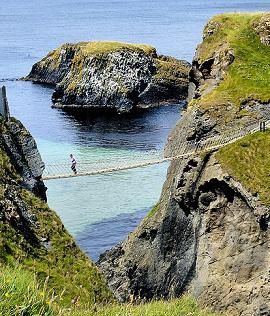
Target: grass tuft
(20,294)
(153,210)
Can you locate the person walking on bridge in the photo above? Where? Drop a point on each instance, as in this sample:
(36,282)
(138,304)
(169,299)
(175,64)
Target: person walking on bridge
(73,164)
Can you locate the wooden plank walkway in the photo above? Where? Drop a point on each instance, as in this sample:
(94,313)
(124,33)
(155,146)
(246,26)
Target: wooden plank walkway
(62,171)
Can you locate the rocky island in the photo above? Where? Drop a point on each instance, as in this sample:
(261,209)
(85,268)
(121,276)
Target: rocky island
(111,76)
(209,234)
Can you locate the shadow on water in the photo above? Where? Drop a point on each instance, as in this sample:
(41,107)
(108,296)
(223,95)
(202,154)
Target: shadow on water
(141,130)
(144,130)
(101,236)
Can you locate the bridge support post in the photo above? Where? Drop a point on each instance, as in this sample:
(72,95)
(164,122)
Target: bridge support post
(4,108)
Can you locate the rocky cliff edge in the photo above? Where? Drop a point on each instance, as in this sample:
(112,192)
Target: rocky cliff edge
(209,233)
(31,234)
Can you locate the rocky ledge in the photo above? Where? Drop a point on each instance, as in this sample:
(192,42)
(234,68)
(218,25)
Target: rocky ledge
(111,76)
(209,235)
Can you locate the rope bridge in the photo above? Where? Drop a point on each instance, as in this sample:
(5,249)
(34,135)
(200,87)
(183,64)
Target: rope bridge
(185,149)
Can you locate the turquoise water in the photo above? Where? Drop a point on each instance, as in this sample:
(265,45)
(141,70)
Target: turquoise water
(99,211)
(85,200)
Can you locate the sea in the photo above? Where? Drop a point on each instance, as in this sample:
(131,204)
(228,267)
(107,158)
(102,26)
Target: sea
(100,211)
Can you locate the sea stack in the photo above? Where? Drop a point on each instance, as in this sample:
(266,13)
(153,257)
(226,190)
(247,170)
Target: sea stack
(111,76)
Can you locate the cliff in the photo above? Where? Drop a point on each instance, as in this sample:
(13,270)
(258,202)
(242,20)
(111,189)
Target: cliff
(111,76)
(31,234)
(209,233)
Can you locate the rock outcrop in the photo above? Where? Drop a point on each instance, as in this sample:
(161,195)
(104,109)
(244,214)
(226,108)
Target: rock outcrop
(208,235)
(22,150)
(31,234)
(111,76)
(262,27)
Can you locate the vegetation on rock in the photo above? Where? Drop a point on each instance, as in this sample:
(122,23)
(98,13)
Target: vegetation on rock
(32,235)
(96,48)
(153,210)
(246,78)
(249,162)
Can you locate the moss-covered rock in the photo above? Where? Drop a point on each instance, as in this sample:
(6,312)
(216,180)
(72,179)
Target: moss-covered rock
(111,76)
(32,234)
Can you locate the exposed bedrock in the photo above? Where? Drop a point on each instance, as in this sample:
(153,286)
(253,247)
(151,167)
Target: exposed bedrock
(208,235)
(111,76)
(21,147)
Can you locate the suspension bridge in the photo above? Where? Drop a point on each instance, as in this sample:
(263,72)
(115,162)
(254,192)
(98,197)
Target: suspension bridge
(186,149)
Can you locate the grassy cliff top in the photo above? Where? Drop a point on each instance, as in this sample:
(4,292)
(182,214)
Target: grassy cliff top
(94,48)
(248,161)
(248,75)
(103,48)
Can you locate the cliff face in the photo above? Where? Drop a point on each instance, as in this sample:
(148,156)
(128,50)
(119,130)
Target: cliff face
(31,234)
(111,76)
(22,150)
(209,233)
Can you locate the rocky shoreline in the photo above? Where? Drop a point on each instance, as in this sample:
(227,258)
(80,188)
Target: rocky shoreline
(111,76)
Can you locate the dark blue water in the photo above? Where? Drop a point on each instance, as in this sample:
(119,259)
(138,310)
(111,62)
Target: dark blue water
(92,208)
(99,244)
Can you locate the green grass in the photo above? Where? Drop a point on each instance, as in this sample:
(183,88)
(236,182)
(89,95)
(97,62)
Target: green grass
(248,161)
(67,268)
(21,294)
(176,307)
(96,48)
(247,77)
(153,210)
